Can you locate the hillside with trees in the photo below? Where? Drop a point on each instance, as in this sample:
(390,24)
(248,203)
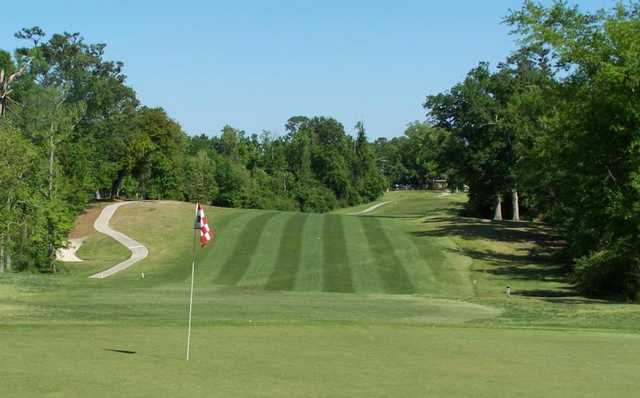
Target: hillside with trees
(72,131)
(553,132)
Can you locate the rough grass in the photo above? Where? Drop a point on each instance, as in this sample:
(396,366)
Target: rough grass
(407,300)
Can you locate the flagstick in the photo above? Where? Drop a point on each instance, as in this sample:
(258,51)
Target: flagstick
(193,269)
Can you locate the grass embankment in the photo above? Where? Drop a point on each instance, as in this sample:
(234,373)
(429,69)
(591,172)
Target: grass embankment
(407,300)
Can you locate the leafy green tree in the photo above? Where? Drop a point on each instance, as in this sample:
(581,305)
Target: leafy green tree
(18,170)
(473,111)
(368,179)
(390,157)
(200,178)
(590,144)
(421,153)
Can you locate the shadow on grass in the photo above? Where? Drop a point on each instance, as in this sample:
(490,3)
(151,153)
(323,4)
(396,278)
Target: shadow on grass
(453,210)
(400,216)
(562,295)
(531,253)
(120,351)
(561,292)
(444,212)
(523,264)
(505,231)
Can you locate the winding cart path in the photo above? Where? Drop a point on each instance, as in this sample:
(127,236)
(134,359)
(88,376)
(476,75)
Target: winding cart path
(138,251)
(370,209)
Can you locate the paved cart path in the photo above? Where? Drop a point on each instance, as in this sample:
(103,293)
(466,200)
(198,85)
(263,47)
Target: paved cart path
(138,251)
(370,209)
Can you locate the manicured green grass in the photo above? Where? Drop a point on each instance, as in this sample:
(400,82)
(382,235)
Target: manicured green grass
(287,264)
(407,300)
(331,361)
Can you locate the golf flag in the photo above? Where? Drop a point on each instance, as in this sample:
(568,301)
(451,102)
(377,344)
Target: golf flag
(206,234)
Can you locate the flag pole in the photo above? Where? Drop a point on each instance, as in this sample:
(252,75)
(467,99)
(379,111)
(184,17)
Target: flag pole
(193,269)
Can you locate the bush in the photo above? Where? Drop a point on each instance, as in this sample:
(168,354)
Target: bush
(315,198)
(612,272)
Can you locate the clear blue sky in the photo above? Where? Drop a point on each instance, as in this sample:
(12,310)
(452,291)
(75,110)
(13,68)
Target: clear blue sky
(253,64)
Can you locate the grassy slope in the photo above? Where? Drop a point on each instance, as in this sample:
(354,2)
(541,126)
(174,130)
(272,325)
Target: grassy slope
(428,314)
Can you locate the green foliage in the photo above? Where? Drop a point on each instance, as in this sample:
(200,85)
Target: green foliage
(557,123)
(199,179)
(613,271)
(590,142)
(314,197)
(33,223)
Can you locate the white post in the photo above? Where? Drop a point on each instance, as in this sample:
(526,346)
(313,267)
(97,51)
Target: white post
(193,267)
(193,270)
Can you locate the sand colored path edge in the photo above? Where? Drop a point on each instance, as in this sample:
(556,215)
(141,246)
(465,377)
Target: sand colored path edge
(138,251)
(68,254)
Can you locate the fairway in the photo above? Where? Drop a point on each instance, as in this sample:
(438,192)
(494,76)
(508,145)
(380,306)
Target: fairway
(289,251)
(404,300)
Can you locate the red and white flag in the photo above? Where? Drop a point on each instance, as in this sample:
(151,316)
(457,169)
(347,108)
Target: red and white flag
(206,234)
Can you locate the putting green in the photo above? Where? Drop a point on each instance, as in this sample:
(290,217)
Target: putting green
(307,361)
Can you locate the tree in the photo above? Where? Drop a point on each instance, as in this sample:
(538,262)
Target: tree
(421,153)
(67,63)
(7,77)
(474,112)
(590,141)
(368,179)
(200,183)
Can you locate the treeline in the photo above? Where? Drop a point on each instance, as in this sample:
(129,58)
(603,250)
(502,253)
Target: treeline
(71,130)
(554,132)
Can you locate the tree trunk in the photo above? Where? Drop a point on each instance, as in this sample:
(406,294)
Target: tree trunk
(51,250)
(51,157)
(1,257)
(143,186)
(51,253)
(498,214)
(115,185)
(516,205)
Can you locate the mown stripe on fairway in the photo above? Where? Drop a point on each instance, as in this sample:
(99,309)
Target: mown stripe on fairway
(443,260)
(171,254)
(336,272)
(310,273)
(287,264)
(238,263)
(361,261)
(393,275)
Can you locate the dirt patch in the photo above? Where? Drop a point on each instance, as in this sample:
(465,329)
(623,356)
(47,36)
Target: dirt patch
(83,225)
